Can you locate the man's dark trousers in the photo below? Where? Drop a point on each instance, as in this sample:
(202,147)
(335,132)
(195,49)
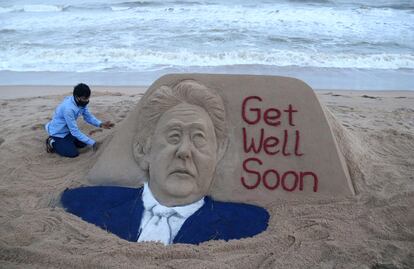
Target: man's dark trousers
(67,146)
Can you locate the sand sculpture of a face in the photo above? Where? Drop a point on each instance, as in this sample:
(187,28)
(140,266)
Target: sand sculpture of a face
(180,138)
(277,141)
(180,134)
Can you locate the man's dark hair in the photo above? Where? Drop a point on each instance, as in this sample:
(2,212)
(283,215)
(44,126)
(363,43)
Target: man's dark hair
(82,90)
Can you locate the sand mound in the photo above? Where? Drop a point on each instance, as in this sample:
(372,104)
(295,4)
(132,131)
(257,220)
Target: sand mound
(374,229)
(264,160)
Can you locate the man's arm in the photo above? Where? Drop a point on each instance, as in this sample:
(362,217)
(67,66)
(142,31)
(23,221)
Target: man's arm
(73,128)
(89,118)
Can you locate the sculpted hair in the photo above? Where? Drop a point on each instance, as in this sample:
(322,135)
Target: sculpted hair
(167,97)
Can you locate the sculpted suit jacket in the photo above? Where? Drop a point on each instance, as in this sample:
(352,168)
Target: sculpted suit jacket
(119,210)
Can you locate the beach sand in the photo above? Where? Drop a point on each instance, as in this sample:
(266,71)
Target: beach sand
(374,229)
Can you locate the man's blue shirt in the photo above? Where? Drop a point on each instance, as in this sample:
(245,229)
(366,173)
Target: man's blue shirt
(64,121)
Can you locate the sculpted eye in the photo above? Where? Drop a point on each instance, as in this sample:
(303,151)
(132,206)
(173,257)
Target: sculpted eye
(174,137)
(199,139)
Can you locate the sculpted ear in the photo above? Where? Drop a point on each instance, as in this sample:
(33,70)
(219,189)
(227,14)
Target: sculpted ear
(222,148)
(141,155)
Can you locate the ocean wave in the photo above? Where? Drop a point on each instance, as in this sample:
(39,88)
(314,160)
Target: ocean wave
(52,8)
(7,9)
(119,8)
(311,1)
(132,4)
(32,8)
(126,5)
(72,8)
(190,3)
(161,3)
(122,34)
(404,6)
(42,8)
(148,4)
(7,31)
(128,59)
(383,44)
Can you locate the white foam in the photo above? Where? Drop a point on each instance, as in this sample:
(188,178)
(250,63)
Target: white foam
(98,59)
(42,8)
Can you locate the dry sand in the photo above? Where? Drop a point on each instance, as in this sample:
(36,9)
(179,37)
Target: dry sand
(374,229)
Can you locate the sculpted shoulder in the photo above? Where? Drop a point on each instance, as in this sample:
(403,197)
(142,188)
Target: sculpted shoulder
(241,220)
(240,211)
(81,201)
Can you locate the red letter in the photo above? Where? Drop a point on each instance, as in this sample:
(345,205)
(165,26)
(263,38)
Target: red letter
(285,141)
(243,181)
(284,181)
(297,144)
(252,145)
(257,110)
(268,144)
(290,110)
(315,180)
(268,118)
(265,179)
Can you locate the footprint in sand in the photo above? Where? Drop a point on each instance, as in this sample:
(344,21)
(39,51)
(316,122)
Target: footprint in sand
(1,141)
(370,97)
(333,94)
(37,126)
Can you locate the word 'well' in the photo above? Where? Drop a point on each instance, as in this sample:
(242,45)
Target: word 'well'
(281,142)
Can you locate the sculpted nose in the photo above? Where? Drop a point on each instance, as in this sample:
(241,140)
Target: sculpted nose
(184,150)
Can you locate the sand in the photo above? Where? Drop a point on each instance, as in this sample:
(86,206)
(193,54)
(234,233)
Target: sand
(374,229)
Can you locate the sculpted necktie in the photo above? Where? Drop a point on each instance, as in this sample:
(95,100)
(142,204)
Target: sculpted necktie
(158,227)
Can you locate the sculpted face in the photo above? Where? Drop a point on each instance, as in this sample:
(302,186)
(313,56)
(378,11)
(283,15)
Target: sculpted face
(183,155)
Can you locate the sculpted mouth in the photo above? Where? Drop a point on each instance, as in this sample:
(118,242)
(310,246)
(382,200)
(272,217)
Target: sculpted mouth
(181,171)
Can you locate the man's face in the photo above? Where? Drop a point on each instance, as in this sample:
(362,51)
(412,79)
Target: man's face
(183,155)
(82,100)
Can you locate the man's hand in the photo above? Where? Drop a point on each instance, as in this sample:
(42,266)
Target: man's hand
(107,125)
(96,146)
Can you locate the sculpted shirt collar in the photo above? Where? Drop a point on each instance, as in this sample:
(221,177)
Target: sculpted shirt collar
(175,222)
(184,211)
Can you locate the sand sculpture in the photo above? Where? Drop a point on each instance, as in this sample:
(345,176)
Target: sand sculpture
(279,146)
(243,140)
(180,138)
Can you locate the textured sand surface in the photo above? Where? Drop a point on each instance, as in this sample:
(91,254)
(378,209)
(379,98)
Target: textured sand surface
(374,229)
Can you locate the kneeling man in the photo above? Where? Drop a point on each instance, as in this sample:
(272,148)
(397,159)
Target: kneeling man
(180,139)
(64,135)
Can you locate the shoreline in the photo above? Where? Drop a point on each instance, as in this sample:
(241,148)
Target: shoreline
(317,78)
(29,91)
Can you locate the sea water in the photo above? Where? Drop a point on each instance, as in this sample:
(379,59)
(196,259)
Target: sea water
(367,44)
